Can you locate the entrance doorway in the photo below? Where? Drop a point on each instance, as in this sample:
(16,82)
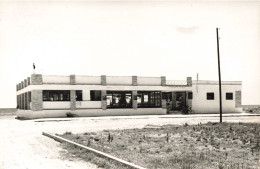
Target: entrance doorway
(174,100)
(168,97)
(180,100)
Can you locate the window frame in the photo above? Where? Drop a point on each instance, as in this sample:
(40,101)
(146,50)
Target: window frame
(208,96)
(113,95)
(227,93)
(154,99)
(49,93)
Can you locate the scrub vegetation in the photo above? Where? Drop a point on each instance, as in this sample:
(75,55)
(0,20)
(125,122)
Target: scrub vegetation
(255,109)
(211,145)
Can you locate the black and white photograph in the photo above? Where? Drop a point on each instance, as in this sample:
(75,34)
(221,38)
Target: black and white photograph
(142,84)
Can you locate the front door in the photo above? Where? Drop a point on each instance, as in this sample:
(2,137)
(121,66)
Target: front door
(168,97)
(180,100)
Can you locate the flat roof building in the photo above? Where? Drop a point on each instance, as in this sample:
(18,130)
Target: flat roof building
(42,96)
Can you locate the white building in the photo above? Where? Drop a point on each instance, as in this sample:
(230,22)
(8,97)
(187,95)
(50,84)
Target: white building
(41,96)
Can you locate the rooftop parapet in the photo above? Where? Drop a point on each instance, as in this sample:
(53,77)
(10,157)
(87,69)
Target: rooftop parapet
(54,79)
(211,82)
(39,79)
(176,82)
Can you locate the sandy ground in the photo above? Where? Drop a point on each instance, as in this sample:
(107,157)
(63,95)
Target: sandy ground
(23,146)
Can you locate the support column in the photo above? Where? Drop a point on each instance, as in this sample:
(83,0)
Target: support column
(25,101)
(28,100)
(20,101)
(22,84)
(28,81)
(103,80)
(25,83)
(237,99)
(173,100)
(17,101)
(134,80)
(36,97)
(72,79)
(163,81)
(189,81)
(134,99)
(73,100)
(19,86)
(36,79)
(104,99)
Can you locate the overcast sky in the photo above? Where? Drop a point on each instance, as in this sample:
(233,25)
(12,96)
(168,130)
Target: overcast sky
(172,39)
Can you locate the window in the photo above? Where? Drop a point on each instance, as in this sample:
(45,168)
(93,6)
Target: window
(56,95)
(95,95)
(119,99)
(78,95)
(149,99)
(190,95)
(210,96)
(229,96)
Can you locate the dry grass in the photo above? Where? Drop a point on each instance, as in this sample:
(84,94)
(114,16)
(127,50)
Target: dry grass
(211,145)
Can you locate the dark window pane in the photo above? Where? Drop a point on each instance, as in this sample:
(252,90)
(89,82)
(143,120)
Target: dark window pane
(210,96)
(95,95)
(78,95)
(190,95)
(229,96)
(56,95)
(45,95)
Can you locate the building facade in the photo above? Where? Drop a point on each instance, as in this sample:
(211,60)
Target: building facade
(42,96)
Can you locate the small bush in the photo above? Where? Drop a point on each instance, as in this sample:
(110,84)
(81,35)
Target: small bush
(69,114)
(186,110)
(67,133)
(186,124)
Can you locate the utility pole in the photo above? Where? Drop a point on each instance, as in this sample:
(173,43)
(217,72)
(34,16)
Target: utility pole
(219,79)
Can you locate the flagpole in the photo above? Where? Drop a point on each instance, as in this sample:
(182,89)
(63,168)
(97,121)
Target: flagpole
(33,68)
(219,79)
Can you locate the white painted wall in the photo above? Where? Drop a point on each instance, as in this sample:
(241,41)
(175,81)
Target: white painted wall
(119,80)
(200,104)
(88,104)
(91,80)
(149,81)
(89,112)
(56,104)
(53,79)
(100,87)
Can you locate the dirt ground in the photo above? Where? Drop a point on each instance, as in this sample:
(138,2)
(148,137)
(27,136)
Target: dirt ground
(22,144)
(210,145)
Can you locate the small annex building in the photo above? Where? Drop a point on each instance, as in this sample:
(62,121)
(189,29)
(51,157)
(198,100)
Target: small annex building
(44,96)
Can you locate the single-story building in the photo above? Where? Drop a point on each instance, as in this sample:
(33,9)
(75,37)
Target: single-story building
(41,96)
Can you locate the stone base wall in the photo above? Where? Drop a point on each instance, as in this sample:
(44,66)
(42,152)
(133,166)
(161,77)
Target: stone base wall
(36,100)
(28,114)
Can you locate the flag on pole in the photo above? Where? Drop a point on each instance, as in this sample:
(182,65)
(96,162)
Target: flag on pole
(33,66)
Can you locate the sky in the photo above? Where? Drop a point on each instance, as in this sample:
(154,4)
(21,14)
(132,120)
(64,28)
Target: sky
(125,38)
